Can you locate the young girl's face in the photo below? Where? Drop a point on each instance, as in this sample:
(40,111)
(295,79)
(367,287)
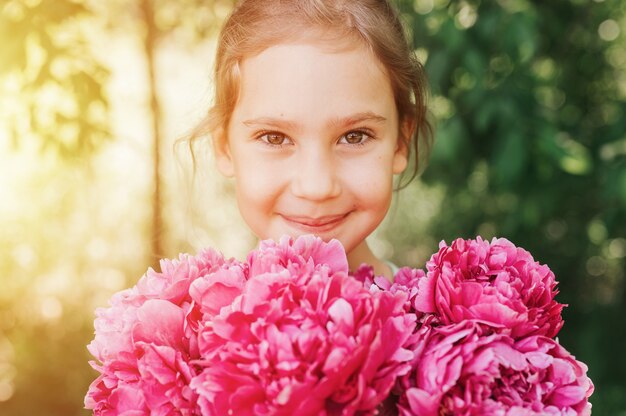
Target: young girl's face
(313,142)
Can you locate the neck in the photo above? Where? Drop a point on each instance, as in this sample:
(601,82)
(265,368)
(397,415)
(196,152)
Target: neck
(363,254)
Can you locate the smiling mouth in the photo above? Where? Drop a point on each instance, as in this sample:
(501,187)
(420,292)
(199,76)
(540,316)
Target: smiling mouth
(315,224)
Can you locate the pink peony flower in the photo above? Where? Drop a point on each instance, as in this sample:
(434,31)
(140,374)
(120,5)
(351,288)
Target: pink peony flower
(296,255)
(304,338)
(495,283)
(463,370)
(145,340)
(415,283)
(152,374)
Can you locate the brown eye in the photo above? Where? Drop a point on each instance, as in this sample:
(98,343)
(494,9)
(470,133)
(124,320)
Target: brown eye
(355,138)
(274,139)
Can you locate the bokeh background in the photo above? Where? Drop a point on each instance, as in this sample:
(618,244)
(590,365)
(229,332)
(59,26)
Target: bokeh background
(528,99)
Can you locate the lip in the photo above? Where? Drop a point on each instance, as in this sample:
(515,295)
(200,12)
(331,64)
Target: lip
(319,224)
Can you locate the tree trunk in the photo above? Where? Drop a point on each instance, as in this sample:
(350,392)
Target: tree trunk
(150,44)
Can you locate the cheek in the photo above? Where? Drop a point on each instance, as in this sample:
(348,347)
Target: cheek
(255,191)
(258,190)
(372,182)
(255,180)
(254,205)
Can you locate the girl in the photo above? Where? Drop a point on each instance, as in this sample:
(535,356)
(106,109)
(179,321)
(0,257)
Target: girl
(318,104)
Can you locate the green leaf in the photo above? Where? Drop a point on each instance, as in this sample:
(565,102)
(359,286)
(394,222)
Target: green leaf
(438,68)
(570,156)
(509,158)
(451,141)
(485,114)
(474,62)
(622,187)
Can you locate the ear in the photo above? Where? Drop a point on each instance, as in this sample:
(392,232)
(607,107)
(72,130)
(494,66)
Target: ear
(223,158)
(401,154)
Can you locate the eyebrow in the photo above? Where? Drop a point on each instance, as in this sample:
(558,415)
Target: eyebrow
(334,122)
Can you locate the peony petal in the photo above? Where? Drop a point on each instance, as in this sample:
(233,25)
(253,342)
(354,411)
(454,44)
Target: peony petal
(425,298)
(342,314)
(217,290)
(331,254)
(422,402)
(128,398)
(493,314)
(159,322)
(566,396)
(509,357)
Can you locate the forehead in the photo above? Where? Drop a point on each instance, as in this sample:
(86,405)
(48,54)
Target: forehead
(305,79)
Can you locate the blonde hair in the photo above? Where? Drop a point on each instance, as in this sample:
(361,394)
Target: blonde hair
(255,25)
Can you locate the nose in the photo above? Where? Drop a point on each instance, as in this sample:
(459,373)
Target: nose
(315,175)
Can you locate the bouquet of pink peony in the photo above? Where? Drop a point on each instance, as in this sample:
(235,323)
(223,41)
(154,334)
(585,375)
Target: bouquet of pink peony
(290,332)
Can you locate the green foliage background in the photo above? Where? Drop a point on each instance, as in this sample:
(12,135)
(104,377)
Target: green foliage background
(529,103)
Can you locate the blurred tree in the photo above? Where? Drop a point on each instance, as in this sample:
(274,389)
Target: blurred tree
(154,21)
(53,96)
(530,99)
(51,85)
